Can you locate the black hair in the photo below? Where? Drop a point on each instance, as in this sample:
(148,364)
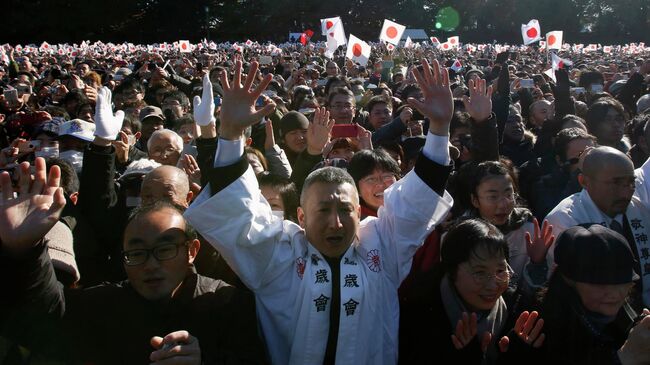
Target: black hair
(325,175)
(364,162)
(129,83)
(598,112)
(409,90)
(587,78)
(466,238)
(337,79)
(339,91)
(179,96)
(379,99)
(134,124)
(287,190)
(69,178)
(565,136)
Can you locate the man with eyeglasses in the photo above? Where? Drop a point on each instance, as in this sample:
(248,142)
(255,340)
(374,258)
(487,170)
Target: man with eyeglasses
(342,105)
(164,313)
(616,196)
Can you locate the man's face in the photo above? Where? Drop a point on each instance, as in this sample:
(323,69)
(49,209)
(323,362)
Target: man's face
(159,279)
(163,150)
(610,131)
(379,115)
(542,112)
(611,188)
(161,187)
(296,140)
(174,106)
(25,65)
(332,69)
(150,125)
(330,217)
(342,109)
(82,69)
(574,149)
(514,128)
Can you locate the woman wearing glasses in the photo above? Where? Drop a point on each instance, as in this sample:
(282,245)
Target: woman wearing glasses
(462,311)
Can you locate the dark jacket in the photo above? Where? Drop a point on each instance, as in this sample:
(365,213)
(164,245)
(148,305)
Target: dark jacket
(425,329)
(113,324)
(550,189)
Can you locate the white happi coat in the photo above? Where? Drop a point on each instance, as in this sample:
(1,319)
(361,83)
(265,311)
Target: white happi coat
(579,208)
(292,281)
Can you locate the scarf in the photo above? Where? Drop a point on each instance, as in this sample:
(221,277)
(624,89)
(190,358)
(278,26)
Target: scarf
(491,321)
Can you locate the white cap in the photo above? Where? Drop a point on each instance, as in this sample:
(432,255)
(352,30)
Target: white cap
(79,129)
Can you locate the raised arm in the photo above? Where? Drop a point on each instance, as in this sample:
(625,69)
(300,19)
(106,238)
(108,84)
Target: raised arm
(231,212)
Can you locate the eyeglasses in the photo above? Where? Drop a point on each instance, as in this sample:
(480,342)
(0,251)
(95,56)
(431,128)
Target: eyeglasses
(381,179)
(502,276)
(161,253)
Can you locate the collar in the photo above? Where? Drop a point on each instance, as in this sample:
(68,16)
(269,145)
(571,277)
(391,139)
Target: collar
(590,203)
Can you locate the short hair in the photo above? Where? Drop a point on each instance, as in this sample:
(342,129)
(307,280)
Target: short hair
(340,91)
(379,99)
(589,77)
(409,90)
(177,140)
(287,190)
(465,239)
(334,80)
(142,210)
(133,123)
(129,83)
(598,111)
(178,96)
(260,156)
(94,76)
(566,136)
(69,178)
(326,175)
(364,162)
(459,120)
(184,120)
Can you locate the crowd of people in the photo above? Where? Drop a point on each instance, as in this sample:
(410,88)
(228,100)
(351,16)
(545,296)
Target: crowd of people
(279,205)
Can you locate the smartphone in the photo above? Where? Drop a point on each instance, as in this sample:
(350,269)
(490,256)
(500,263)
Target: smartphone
(527,83)
(217,101)
(23,89)
(266,60)
(345,130)
(578,90)
(596,88)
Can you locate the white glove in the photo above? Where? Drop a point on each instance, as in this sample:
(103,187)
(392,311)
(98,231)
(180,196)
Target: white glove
(204,108)
(107,125)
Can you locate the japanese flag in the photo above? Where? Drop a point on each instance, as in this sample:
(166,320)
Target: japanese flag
(592,47)
(390,47)
(531,32)
(453,41)
(249,43)
(607,49)
(445,46)
(456,66)
(408,43)
(184,46)
(558,62)
(550,73)
(391,32)
(61,52)
(434,41)
(358,50)
(327,24)
(335,33)
(554,39)
(471,49)
(542,44)
(44,47)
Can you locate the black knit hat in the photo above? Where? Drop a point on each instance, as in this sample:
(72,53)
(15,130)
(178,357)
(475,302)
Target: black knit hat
(591,253)
(291,121)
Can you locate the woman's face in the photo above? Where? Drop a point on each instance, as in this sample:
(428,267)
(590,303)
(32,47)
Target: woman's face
(296,140)
(255,163)
(481,280)
(273,197)
(494,198)
(371,187)
(603,299)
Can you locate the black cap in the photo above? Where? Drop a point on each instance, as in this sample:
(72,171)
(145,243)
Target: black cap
(591,253)
(292,121)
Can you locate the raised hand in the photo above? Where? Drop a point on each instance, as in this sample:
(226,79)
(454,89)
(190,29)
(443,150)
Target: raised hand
(188,164)
(365,138)
(538,246)
(122,147)
(204,106)
(528,328)
(466,329)
(176,348)
(438,103)
(25,219)
(238,107)
(479,102)
(319,131)
(107,124)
